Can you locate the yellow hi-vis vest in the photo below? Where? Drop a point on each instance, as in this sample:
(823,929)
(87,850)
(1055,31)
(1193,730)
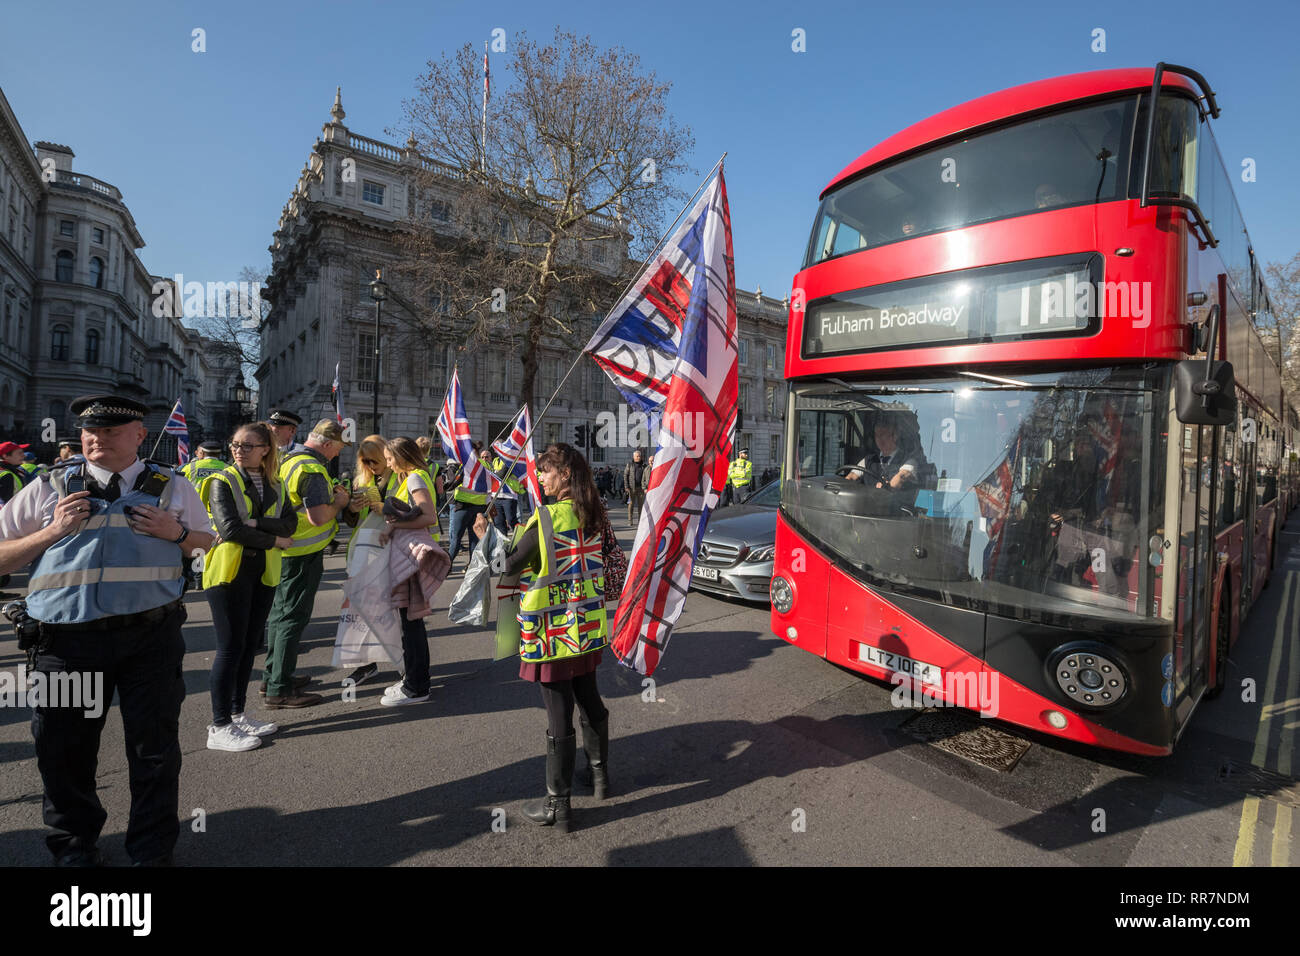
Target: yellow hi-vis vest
(307,537)
(741,472)
(362,535)
(221,564)
(562,610)
(403,494)
(200,473)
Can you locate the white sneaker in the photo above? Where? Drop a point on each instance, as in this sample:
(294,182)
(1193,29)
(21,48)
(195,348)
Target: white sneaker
(400,697)
(231,738)
(256,728)
(393,689)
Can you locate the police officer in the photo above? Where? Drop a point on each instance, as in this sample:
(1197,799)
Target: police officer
(740,475)
(70,448)
(120,631)
(203,469)
(285,424)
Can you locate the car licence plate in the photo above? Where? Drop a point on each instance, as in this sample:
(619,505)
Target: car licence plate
(890,661)
(708,574)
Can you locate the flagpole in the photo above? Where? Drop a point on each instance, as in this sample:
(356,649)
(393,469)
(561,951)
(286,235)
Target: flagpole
(164,430)
(485,99)
(635,276)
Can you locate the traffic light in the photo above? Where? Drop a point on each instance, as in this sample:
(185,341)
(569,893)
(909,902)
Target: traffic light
(740,419)
(580,435)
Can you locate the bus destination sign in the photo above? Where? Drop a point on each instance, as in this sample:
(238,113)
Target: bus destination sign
(845,326)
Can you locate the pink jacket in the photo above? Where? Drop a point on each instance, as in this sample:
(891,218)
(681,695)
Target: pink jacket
(418,566)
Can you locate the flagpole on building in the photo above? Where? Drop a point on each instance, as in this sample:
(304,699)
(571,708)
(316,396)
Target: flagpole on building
(485,99)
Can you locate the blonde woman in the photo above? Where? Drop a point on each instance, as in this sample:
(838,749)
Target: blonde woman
(369,489)
(255,520)
(418,509)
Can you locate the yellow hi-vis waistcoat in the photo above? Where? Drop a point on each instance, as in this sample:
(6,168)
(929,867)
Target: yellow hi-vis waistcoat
(222,563)
(368,537)
(741,472)
(562,610)
(403,494)
(200,473)
(307,537)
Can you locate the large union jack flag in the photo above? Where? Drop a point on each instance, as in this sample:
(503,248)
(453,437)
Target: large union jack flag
(176,425)
(453,430)
(524,464)
(670,347)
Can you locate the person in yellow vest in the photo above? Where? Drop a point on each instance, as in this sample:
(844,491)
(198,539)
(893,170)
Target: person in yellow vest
(563,623)
(253,516)
(418,510)
(203,469)
(370,488)
(317,504)
(740,478)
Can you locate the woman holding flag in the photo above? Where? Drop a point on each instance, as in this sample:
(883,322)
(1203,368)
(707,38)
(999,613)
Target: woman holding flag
(562,623)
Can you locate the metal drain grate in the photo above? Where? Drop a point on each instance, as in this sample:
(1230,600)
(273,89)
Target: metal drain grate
(967,737)
(1256,782)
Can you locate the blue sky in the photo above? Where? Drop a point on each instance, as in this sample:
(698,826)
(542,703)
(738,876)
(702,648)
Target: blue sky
(206,147)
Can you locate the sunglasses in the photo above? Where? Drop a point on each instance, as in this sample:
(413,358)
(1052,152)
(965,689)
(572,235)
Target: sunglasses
(245,446)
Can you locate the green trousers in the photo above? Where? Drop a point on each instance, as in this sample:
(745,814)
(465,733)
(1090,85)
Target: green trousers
(294,598)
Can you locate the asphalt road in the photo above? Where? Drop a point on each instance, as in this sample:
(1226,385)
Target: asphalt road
(744,751)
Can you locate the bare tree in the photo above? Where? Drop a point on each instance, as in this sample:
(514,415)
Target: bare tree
(234,325)
(524,242)
(1284,291)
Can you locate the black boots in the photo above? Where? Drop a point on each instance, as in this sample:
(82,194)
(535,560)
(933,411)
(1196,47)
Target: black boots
(595,741)
(554,810)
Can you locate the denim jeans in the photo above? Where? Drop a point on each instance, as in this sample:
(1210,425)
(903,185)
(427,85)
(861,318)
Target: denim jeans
(462,520)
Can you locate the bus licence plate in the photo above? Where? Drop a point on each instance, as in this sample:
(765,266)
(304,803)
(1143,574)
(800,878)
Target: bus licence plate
(709,574)
(890,661)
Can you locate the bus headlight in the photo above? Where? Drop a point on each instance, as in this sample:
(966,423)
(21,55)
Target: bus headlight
(1088,676)
(782,595)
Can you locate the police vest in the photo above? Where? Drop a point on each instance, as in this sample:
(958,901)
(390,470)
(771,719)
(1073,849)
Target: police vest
(308,538)
(104,569)
(200,472)
(741,472)
(222,562)
(368,536)
(562,610)
(31,467)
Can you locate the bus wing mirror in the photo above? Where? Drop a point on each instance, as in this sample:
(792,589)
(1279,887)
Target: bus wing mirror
(1205,396)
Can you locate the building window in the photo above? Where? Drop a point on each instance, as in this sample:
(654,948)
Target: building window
(771,398)
(9,316)
(92,347)
(97,272)
(744,351)
(99,236)
(372,192)
(58,412)
(440,210)
(67,227)
(59,337)
(365,359)
(775,456)
(598,253)
(63,266)
(771,355)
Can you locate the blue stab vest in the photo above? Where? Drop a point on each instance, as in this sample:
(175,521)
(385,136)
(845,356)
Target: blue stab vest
(104,568)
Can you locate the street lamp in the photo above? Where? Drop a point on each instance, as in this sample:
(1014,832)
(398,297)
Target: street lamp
(378,292)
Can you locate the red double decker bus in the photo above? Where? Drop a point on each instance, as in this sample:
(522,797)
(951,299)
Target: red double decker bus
(1013,458)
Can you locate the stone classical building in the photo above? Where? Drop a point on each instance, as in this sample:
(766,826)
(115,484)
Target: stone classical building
(76,310)
(337,228)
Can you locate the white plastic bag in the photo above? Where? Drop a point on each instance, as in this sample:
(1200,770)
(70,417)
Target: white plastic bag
(474,596)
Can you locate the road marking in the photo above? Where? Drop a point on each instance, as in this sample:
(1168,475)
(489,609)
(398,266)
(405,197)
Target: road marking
(1287,743)
(1246,832)
(1242,854)
(1282,836)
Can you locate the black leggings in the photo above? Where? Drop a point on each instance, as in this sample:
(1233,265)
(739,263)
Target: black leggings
(558,698)
(239,612)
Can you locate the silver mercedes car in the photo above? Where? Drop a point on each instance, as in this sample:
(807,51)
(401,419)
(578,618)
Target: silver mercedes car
(735,556)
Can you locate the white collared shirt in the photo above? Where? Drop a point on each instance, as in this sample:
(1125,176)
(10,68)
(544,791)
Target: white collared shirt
(33,508)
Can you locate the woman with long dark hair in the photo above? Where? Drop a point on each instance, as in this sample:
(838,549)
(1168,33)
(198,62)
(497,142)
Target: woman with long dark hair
(255,521)
(558,552)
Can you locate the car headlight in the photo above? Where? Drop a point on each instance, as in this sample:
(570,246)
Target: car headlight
(761,554)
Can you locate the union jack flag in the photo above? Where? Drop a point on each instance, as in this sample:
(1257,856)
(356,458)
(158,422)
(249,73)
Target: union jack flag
(577,552)
(670,347)
(453,430)
(177,426)
(525,465)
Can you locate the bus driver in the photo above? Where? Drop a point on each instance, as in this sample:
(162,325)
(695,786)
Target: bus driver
(892,466)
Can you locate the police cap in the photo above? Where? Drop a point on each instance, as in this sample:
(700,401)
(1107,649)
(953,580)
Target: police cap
(105,411)
(212,447)
(280,416)
(73,443)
